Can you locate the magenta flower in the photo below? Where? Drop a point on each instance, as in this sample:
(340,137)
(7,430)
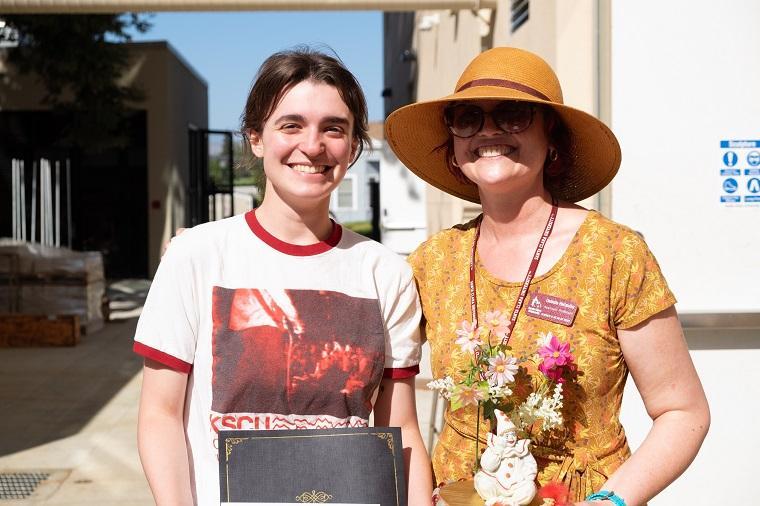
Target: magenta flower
(556,359)
(554,373)
(469,337)
(556,353)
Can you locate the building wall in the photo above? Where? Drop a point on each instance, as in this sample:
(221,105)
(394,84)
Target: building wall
(399,60)
(176,97)
(402,204)
(676,93)
(445,41)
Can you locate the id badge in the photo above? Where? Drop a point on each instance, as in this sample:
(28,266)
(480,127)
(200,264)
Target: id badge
(551,308)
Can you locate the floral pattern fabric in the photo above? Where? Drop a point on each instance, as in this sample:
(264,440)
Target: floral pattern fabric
(609,272)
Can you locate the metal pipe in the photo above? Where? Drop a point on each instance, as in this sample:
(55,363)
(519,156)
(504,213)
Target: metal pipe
(97,6)
(43,201)
(14,198)
(34,201)
(23,200)
(57,203)
(68,203)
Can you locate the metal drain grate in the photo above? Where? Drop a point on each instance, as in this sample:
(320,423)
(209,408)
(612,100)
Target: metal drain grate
(20,485)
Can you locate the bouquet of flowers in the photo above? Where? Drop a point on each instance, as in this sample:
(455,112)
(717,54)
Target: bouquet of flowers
(488,380)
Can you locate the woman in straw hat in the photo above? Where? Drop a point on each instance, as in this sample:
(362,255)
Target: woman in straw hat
(505,139)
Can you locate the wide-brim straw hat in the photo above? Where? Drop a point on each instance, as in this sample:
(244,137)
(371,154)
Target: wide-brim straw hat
(417,132)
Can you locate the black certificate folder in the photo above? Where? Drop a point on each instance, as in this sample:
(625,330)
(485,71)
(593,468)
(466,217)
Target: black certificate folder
(348,467)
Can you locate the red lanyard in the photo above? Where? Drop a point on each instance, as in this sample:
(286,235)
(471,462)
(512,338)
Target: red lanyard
(528,276)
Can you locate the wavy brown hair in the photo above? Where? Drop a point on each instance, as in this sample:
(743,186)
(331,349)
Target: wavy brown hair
(283,70)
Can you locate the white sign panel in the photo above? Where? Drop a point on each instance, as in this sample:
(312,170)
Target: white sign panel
(740,173)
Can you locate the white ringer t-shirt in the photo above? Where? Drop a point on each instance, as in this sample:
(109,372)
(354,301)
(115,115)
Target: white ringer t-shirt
(274,335)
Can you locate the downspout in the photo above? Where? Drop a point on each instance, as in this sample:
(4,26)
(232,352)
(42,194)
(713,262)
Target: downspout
(602,82)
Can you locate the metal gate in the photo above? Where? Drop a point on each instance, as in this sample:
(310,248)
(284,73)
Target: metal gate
(211,184)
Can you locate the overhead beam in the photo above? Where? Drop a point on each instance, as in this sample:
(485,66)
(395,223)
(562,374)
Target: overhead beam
(111,6)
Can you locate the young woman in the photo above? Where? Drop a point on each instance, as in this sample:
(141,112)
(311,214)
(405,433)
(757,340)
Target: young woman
(505,139)
(279,318)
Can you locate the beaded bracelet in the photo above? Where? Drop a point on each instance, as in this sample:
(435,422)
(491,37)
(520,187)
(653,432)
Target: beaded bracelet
(607,495)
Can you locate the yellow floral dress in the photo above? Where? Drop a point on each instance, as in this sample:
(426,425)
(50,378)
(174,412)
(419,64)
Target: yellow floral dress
(609,272)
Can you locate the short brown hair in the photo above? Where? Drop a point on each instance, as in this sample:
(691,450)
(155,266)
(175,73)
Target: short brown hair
(285,69)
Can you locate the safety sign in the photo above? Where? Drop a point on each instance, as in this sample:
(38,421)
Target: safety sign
(739,173)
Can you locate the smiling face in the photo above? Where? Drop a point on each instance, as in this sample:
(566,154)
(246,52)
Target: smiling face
(306,144)
(499,162)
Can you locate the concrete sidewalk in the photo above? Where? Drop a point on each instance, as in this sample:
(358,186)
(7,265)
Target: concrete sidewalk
(72,413)
(69,418)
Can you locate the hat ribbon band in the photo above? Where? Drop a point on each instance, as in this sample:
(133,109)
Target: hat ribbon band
(504,83)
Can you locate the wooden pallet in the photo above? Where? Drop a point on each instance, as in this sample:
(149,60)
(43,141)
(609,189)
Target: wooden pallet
(23,330)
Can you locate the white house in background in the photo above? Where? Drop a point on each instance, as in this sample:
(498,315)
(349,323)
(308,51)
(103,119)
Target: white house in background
(403,209)
(403,204)
(351,201)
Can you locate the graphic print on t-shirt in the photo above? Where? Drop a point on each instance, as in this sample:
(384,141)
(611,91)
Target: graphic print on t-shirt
(294,358)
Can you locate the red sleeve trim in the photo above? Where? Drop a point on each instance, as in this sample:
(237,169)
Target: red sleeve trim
(401,373)
(164,358)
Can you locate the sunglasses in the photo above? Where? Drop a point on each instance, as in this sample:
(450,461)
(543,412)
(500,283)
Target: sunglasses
(465,120)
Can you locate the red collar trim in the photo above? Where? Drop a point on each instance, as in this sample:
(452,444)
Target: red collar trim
(293,249)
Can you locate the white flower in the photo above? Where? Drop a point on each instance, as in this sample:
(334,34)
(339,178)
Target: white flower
(469,337)
(544,339)
(445,386)
(499,392)
(541,407)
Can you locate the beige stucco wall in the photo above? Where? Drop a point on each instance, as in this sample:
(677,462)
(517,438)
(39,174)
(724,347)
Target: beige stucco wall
(178,98)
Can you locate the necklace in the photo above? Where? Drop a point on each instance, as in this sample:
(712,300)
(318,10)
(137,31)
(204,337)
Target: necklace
(526,283)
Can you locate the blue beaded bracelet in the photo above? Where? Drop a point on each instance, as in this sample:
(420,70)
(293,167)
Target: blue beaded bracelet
(607,495)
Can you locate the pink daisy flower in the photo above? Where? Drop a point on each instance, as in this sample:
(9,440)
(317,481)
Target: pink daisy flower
(466,395)
(501,369)
(496,322)
(469,337)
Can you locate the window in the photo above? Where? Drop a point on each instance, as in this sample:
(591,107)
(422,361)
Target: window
(347,193)
(519,13)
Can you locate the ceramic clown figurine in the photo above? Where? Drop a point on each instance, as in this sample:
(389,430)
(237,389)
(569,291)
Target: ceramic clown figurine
(508,470)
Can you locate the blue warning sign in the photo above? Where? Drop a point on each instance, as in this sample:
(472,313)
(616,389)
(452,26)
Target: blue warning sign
(739,172)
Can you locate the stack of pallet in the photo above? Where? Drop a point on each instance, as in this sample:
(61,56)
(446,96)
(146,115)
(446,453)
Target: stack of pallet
(43,288)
